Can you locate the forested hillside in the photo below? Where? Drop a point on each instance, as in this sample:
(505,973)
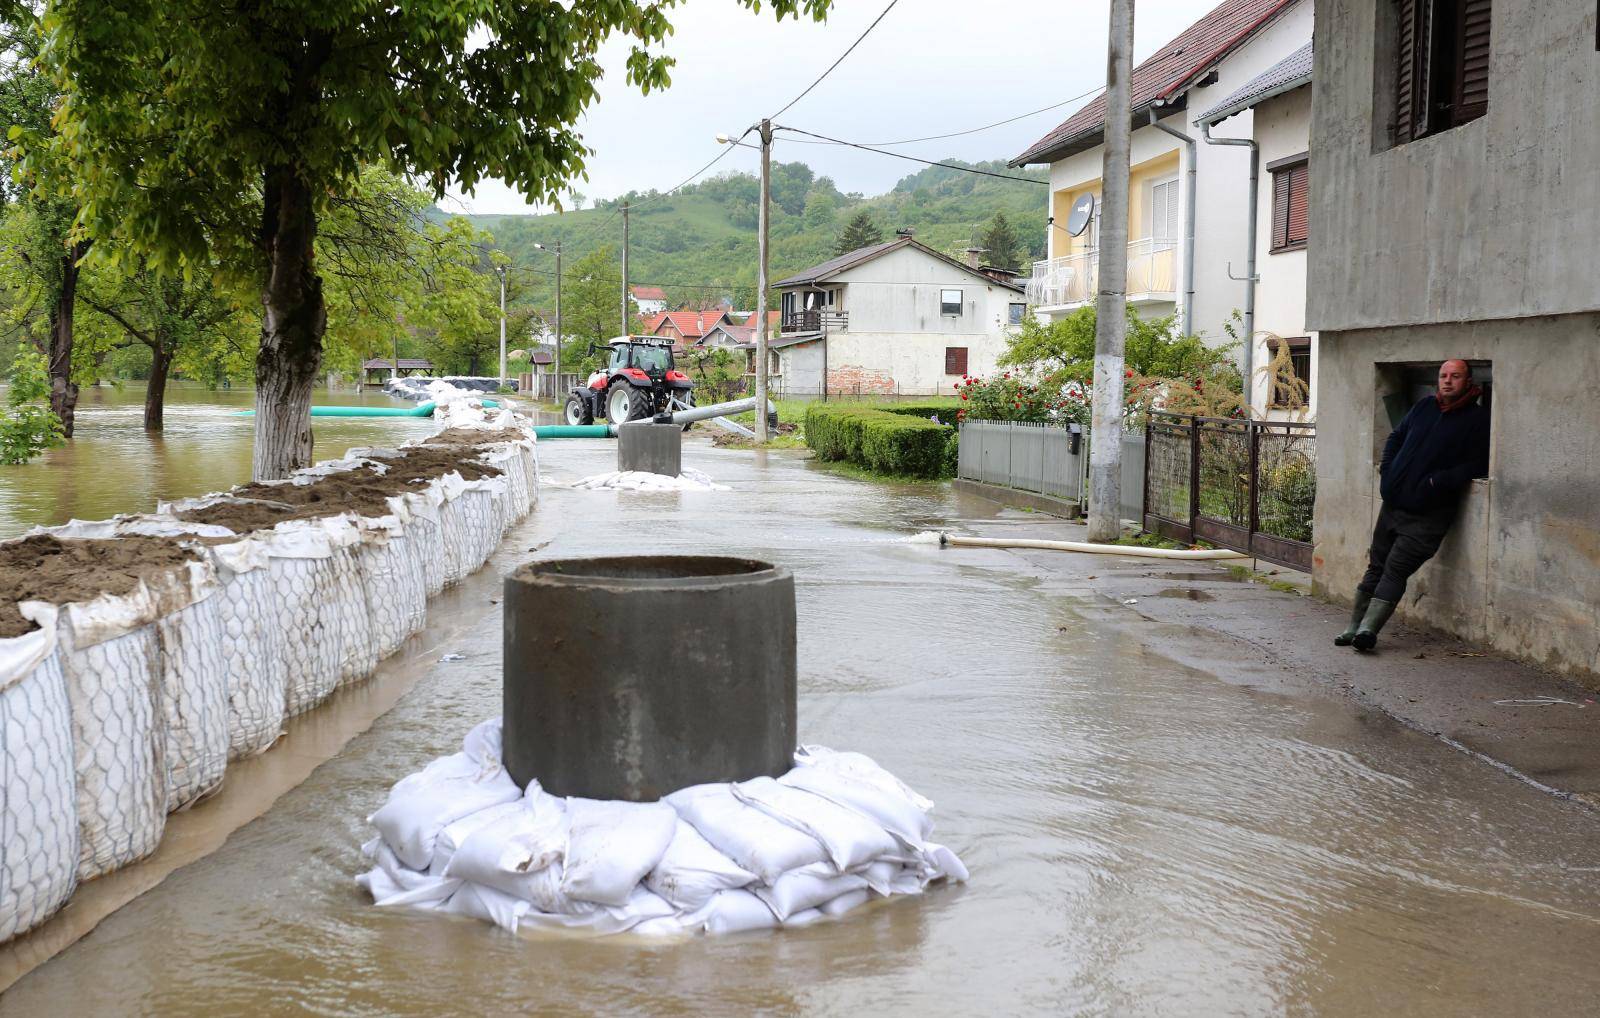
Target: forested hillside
(700,243)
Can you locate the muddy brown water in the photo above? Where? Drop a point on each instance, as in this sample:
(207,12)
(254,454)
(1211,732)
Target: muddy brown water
(1144,838)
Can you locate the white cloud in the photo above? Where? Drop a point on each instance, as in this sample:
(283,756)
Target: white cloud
(931,67)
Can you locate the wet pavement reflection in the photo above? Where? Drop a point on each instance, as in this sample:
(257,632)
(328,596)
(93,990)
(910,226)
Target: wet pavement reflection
(1144,838)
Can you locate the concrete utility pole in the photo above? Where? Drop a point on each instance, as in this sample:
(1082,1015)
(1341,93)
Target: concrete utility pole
(501,269)
(625,329)
(761,282)
(1110,330)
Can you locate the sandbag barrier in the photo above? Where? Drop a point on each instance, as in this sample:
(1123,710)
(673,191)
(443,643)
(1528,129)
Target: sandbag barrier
(117,710)
(459,837)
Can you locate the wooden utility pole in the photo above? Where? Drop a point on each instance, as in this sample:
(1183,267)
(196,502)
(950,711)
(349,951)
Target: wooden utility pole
(765,225)
(625,329)
(502,270)
(557,387)
(1110,330)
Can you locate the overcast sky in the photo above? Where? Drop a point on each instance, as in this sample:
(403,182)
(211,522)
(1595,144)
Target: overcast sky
(931,67)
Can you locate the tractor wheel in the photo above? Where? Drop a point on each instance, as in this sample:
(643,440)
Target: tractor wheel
(577,411)
(625,403)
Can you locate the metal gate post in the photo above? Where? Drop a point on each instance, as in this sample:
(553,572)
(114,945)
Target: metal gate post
(1253,515)
(1194,471)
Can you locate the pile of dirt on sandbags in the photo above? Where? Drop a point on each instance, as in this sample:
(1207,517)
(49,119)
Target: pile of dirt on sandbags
(475,436)
(44,568)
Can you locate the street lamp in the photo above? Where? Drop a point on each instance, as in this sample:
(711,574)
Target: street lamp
(764,224)
(541,247)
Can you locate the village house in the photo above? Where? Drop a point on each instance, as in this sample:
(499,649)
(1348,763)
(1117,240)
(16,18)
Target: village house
(1188,200)
(649,300)
(897,318)
(686,328)
(1456,149)
(1280,98)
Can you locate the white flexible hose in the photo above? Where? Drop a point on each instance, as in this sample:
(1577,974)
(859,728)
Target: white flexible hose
(1090,549)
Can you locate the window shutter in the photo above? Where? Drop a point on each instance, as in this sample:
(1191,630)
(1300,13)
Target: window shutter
(1280,208)
(1472,96)
(1298,226)
(955,360)
(1406,60)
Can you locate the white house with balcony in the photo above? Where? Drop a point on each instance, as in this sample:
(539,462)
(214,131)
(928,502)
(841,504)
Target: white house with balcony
(897,318)
(1188,200)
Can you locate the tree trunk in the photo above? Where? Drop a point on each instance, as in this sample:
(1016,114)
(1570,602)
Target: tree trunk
(63,390)
(292,325)
(155,396)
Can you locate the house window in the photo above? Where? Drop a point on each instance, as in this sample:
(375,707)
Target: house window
(1291,389)
(1291,182)
(1441,65)
(1015,313)
(949,302)
(955,360)
(1164,210)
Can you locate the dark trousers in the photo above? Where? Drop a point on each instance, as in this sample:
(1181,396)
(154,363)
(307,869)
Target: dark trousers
(1401,542)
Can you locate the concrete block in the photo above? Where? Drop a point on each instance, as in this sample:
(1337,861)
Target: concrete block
(650,447)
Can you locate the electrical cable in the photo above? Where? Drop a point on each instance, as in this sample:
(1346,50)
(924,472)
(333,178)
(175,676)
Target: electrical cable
(916,159)
(836,63)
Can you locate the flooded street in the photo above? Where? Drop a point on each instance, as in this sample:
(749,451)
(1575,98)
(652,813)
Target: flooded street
(112,466)
(1143,837)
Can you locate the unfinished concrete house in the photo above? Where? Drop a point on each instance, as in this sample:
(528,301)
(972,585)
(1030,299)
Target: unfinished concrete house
(1454,211)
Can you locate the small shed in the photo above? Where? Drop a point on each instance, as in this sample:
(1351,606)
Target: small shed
(380,369)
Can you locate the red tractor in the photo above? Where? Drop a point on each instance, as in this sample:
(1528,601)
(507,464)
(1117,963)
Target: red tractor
(638,381)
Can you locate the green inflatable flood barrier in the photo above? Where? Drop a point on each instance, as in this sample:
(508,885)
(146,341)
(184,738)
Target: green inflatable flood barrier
(574,431)
(424,410)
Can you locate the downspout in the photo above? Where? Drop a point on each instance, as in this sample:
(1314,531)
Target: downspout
(1188,220)
(1250,259)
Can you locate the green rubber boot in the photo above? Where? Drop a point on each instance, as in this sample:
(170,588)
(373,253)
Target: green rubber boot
(1357,613)
(1378,613)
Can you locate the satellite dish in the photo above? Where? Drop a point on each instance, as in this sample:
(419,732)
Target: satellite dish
(1082,212)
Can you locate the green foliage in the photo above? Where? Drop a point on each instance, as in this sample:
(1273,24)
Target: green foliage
(887,443)
(717,373)
(590,309)
(946,411)
(27,427)
(859,232)
(1002,247)
(1288,494)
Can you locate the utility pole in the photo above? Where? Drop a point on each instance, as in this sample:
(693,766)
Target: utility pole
(765,224)
(501,270)
(558,322)
(625,329)
(1110,330)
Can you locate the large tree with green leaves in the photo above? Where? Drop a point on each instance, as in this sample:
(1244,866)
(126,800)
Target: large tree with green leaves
(197,132)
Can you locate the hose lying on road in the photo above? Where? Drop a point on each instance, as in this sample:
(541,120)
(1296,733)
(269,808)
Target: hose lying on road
(1087,548)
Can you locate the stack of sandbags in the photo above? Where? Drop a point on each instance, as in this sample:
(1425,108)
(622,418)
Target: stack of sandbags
(642,480)
(38,808)
(460,837)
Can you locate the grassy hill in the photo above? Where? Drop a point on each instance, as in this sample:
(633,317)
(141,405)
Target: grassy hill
(700,243)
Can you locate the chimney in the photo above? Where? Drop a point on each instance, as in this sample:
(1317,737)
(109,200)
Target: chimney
(972,254)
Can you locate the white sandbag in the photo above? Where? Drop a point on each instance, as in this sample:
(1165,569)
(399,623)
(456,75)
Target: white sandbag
(250,645)
(478,902)
(111,665)
(692,870)
(852,840)
(612,845)
(38,808)
(194,695)
(642,908)
(449,788)
(519,852)
(395,587)
(854,787)
(805,888)
(393,884)
(752,839)
(641,480)
(844,903)
(807,917)
(731,912)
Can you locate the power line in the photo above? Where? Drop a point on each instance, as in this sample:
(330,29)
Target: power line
(975,130)
(836,63)
(914,159)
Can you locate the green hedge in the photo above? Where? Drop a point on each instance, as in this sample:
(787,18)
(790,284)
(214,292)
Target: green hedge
(889,443)
(945,410)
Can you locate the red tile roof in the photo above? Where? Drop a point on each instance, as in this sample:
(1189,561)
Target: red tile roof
(690,324)
(649,293)
(1164,74)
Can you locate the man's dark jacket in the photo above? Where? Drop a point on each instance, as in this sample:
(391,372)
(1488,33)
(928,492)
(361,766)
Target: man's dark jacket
(1432,456)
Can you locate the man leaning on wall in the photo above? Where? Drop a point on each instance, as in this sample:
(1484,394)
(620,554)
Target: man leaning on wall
(1428,462)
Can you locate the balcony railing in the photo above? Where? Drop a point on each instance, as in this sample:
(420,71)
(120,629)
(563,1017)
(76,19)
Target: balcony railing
(814,320)
(1073,280)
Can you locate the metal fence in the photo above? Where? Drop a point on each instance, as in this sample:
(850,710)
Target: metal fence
(1046,459)
(1245,485)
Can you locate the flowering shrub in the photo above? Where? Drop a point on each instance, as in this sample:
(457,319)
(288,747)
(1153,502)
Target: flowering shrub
(1059,397)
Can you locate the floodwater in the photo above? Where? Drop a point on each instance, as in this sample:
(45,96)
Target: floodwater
(1143,838)
(112,465)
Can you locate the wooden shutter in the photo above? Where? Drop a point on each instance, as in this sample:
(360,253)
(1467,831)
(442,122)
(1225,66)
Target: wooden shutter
(1472,81)
(1298,226)
(955,360)
(1412,86)
(1280,209)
